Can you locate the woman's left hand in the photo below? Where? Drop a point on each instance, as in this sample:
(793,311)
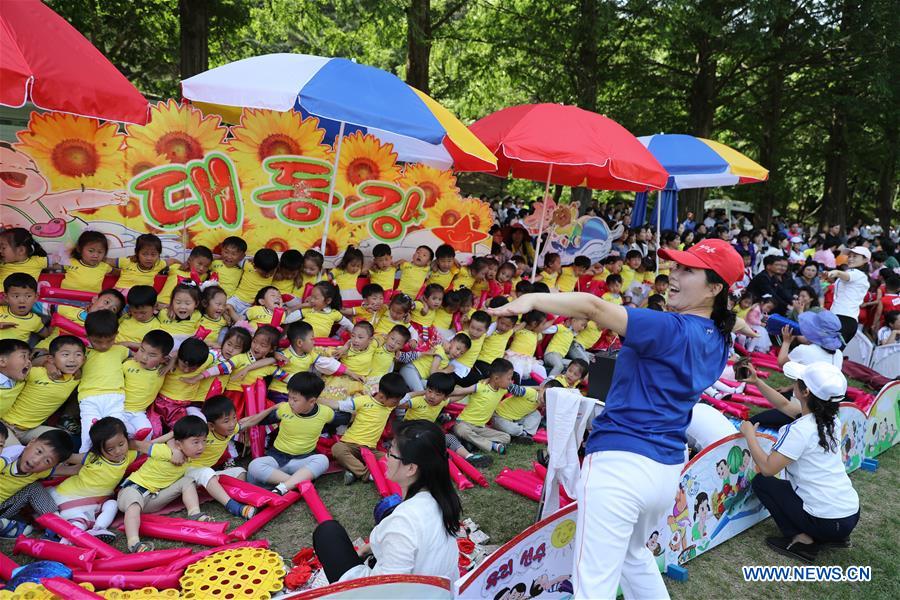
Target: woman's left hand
(748,429)
(364,550)
(787,335)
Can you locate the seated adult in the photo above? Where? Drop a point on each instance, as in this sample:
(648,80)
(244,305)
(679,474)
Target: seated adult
(815,506)
(419,536)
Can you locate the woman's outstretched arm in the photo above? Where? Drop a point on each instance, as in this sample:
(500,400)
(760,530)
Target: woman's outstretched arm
(571,304)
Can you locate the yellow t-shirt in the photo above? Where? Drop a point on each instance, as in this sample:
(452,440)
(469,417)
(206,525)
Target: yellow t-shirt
(298,434)
(343,279)
(24,326)
(612,298)
(102,373)
(360,361)
(361,313)
(132,273)
(285,286)
(382,361)
(32,266)
(174,388)
(251,283)
(412,278)
(174,326)
(741,312)
(517,407)
(384,277)
(229,277)
(562,379)
(588,336)
(80,276)
(8,396)
(215,446)
(141,385)
(442,319)
(11,480)
(243,360)
(386,323)
(468,359)
(443,279)
(97,478)
(482,404)
(306,280)
(368,421)
(494,346)
(294,364)
(322,320)
(628,277)
(524,343)
(463,278)
(549,278)
(215,327)
(73,313)
(132,330)
(420,409)
(259,315)
(416,316)
(158,472)
(165,294)
(561,341)
(567,280)
(424,362)
(39,398)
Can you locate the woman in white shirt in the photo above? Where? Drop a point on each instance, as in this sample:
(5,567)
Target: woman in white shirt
(850,289)
(815,506)
(418,536)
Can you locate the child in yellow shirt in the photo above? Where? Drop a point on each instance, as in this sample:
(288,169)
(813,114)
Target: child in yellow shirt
(347,272)
(257,274)
(179,389)
(436,360)
(483,398)
(16,319)
(110,299)
(19,253)
(382,271)
(312,273)
(290,266)
(371,308)
(524,343)
(87,267)
(214,315)
(322,310)
(424,312)
(520,415)
(228,266)
(182,318)
(414,273)
(142,267)
(444,268)
(268,300)
(301,356)
(141,317)
(569,276)
(143,380)
(613,292)
(15,364)
(552,268)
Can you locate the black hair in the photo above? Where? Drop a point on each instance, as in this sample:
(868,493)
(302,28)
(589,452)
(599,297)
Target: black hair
(101,323)
(891,316)
(812,293)
(269,332)
(372,289)
(365,325)
(159,339)
(298,330)
(431,288)
(498,301)
(190,289)
(582,261)
(147,240)
(701,498)
(20,237)
(539,287)
(534,317)
(193,352)
(59,441)
(20,280)
(263,291)
(773,258)
(350,254)
(445,251)
(549,384)
(463,339)
(315,256)
(217,407)
(242,334)
(201,252)
(393,386)
(381,250)
(291,261)
(500,366)
(613,279)
(430,251)
(451,301)
(207,295)
(524,287)
(633,254)
(65,340)
(103,430)
(465,296)
(188,427)
(661,279)
(478,264)
(580,363)
(4,431)
(89,237)
(307,384)
(892,282)
(266,260)
(656,302)
(402,300)
(120,298)
(549,258)
(611,259)
(331,294)
(721,316)
(824,412)
(401,331)
(442,383)
(482,317)
(142,295)
(235,242)
(422,443)
(10,345)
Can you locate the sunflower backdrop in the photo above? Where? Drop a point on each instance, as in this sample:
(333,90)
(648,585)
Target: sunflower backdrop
(192,180)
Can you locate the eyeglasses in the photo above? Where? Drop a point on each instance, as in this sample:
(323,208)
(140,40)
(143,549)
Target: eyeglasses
(394,456)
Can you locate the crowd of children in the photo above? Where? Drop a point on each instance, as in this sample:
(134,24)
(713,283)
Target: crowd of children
(161,377)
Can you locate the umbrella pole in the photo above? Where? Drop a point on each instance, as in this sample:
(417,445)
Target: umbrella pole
(537,248)
(337,157)
(658,225)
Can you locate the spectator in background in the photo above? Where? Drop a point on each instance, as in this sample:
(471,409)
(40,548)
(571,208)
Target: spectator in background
(772,281)
(689,224)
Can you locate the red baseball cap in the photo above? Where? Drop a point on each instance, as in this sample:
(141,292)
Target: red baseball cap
(713,254)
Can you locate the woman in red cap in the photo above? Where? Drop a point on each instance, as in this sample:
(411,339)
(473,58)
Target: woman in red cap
(635,452)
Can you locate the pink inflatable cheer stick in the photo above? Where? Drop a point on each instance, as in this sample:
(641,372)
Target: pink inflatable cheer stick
(187,531)
(314,502)
(248,493)
(71,556)
(63,588)
(143,560)
(458,478)
(524,486)
(469,469)
(78,537)
(213,526)
(277,317)
(261,518)
(375,472)
(7,566)
(55,293)
(128,581)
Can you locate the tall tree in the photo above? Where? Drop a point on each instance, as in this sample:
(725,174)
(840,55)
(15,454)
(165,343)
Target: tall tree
(193,20)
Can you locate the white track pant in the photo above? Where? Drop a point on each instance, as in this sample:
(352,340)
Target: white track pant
(621,498)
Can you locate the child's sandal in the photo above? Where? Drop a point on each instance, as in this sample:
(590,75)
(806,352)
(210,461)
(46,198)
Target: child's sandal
(140,547)
(202,517)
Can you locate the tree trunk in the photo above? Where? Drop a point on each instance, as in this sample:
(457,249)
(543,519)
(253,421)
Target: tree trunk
(586,77)
(418,43)
(887,183)
(702,109)
(193,18)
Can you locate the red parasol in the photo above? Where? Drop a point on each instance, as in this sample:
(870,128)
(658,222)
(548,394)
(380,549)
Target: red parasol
(45,60)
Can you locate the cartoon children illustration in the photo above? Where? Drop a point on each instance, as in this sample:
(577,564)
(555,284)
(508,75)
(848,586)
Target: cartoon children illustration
(559,585)
(702,513)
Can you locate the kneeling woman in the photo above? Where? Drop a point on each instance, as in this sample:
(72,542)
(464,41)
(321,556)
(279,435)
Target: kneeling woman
(419,536)
(816,505)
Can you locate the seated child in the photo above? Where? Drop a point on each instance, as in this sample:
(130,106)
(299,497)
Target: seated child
(436,360)
(292,457)
(552,268)
(483,398)
(505,275)
(20,253)
(890,333)
(311,274)
(520,416)
(382,271)
(141,317)
(569,276)
(443,269)
(443,317)
(561,345)
(614,289)
(656,302)
(86,268)
(397,313)
(46,389)
(15,363)
(85,499)
(574,373)
(477,327)
(371,308)
(290,266)
(197,265)
(268,300)
(17,321)
(182,317)
(162,478)
(257,274)
(524,343)
(143,380)
(347,272)
(214,315)
(322,310)
(370,417)
(387,351)
(228,267)
(301,356)
(495,342)
(356,356)
(424,312)
(179,388)
(414,273)
(109,299)
(143,266)
(21,469)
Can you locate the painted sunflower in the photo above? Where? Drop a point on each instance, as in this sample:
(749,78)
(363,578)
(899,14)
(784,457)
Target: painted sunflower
(438,185)
(264,133)
(447,212)
(340,235)
(138,160)
(73,151)
(178,132)
(364,157)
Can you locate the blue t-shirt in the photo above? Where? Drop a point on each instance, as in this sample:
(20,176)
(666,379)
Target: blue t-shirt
(666,361)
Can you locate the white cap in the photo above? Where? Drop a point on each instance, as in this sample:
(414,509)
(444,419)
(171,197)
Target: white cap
(824,380)
(796,240)
(862,251)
